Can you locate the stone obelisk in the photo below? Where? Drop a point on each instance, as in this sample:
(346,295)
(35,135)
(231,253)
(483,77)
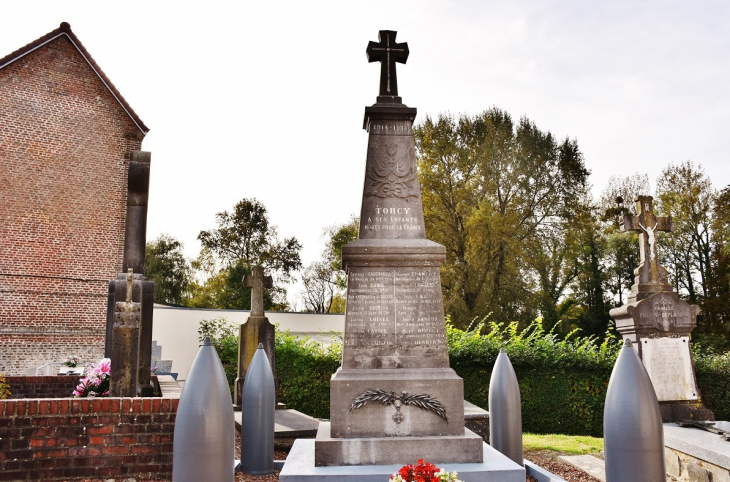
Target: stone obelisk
(143,290)
(659,323)
(394,399)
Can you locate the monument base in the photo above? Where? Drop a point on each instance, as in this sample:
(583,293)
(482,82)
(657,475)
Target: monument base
(299,467)
(441,386)
(329,451)
(689,410)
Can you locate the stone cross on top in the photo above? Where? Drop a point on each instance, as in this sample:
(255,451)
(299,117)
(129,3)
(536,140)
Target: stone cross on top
(387,52)
(257,282)
(647,225)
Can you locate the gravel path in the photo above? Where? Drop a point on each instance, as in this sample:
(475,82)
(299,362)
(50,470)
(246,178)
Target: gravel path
(548,460)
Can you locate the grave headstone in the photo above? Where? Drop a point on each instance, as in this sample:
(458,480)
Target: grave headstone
(395,381)
(160,366)
(257,329)
(143,290)
(659,323)
(156,353)
(125,344)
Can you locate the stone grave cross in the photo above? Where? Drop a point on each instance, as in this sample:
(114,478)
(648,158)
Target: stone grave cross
(387,52)
(659,323)
(125,344)
(651,274)
(257,282)
(257,329)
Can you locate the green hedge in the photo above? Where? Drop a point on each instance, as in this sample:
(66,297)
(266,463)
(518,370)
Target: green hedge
(304,368)
(713,379)
(563,382)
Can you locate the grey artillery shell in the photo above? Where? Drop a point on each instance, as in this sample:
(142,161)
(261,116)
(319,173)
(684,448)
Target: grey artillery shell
(204,443)
(257,417)
(505,410)
(632,423)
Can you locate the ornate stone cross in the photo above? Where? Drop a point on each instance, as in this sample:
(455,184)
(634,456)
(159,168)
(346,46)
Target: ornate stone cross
(257,282)
(387,52)
(647,225)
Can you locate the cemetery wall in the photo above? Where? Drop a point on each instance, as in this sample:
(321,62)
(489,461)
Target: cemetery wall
(87,438)
(175,329)
(65,142)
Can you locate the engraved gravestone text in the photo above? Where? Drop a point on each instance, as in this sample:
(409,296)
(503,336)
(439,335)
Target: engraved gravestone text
(668,363)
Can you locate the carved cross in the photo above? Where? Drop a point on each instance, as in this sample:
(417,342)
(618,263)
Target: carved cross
(387,52)
(257,282)
(647,224)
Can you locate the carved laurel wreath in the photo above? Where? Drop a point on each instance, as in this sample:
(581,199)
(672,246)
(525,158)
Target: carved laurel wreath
(422,401)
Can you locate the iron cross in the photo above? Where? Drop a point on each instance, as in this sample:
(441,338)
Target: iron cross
(387,52)
(646,224)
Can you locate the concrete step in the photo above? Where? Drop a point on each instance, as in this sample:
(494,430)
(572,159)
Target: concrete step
(587,463)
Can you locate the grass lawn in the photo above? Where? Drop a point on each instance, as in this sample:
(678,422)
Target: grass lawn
(572,444)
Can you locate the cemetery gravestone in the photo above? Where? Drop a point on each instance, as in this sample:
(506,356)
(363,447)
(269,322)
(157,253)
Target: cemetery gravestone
(160,366)
(143,290)
(257,329)
(125,345)
(659,323)
(156,354)
(395,380)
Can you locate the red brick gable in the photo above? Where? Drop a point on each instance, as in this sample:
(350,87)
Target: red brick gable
(65,30)
(65,141)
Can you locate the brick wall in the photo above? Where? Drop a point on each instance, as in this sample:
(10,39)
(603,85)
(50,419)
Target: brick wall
(64,151)
(83,438)
(42,387)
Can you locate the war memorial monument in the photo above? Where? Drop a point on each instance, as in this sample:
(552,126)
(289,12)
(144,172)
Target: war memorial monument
(395,399)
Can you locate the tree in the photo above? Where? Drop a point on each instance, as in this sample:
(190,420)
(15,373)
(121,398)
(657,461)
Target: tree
(325,280)
(717,307)
(590,282)
(320,287)
(166,265)
(339,235)
(618,197)
(245,238)
(621,256)
(686,193)
(491,191)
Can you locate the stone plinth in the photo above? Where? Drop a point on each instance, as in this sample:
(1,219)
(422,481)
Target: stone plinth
(300,467)
(257,329)
(394,450)
(375,419)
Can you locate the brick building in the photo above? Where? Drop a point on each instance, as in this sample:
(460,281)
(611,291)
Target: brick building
(65,138)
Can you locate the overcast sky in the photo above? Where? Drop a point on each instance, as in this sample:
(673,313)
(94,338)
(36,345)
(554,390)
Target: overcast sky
(266,99)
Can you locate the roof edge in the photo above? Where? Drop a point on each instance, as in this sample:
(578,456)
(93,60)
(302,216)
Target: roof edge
(65,29)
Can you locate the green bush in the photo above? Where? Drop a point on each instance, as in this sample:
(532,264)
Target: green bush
(713,380)
(225,341)
(563,383)
(304,368)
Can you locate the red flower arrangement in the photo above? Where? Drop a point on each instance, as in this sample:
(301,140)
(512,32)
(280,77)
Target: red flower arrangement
(423,472)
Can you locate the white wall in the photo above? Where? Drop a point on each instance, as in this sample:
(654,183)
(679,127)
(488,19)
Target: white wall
(176,329)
